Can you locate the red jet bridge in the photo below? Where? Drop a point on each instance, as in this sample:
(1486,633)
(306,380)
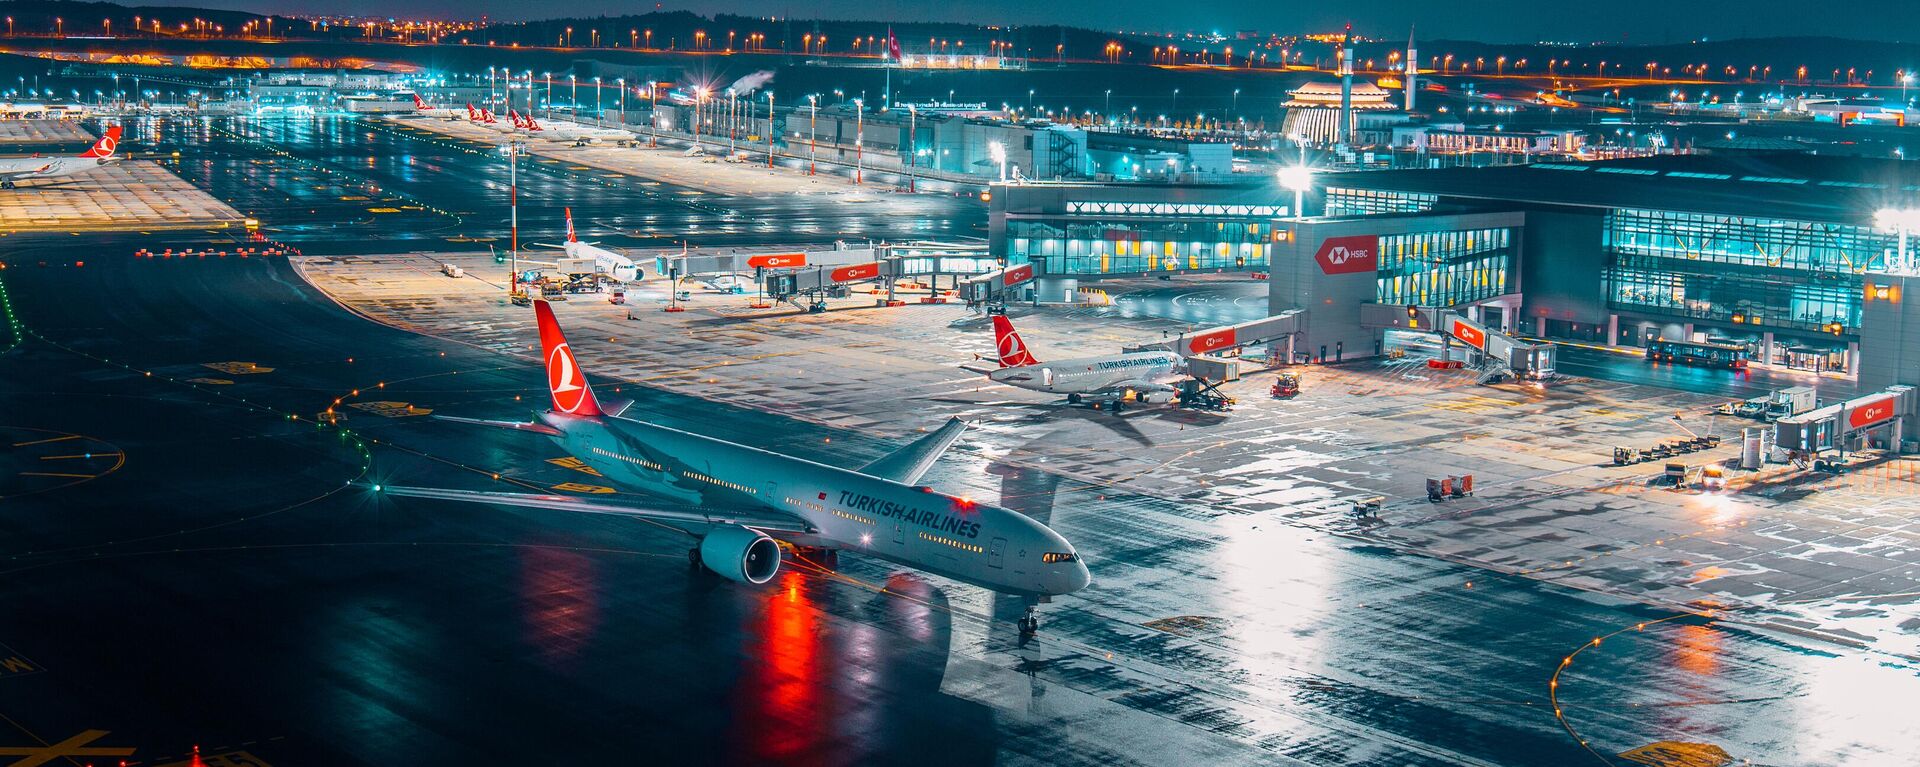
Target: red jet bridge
(1499,354)
(1846,425)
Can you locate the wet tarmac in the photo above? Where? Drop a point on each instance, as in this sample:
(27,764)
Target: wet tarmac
(186,566)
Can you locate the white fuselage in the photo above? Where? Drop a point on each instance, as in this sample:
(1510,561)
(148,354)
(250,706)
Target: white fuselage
(612,264)
(975,543)
(1090,375)
(576,132)
(24,168)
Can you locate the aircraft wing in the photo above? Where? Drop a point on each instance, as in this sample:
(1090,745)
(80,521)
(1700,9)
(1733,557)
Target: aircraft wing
(686,519)
(15,175)
(908,464)
(537,428)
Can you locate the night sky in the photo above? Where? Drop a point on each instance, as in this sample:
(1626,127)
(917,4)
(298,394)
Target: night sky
(1632,21)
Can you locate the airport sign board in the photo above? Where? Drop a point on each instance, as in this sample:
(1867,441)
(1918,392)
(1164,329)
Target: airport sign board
(1349,255)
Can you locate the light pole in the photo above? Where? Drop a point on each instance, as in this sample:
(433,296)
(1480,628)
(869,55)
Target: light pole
(573,100)
(1106,111)
(513,251)
(1176,102)
(859,139)
(913,145)
(547,76)
(769,128)
(813,135)
(1299,178)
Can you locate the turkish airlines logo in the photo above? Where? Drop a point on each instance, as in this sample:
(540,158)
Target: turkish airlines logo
(563,378)
(1348,255)
(1474,337)
(1871,413)
(1017,275)
(106,145)
(1012,351)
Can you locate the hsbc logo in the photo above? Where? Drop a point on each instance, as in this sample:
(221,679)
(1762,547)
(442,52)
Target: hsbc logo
(1348,255)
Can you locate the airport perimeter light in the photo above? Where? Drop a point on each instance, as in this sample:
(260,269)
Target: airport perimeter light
(1298,178)
(1905,221)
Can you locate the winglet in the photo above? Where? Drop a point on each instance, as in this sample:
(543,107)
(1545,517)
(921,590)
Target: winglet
(1013,352)
(908,464)
(566,382)
(106,146)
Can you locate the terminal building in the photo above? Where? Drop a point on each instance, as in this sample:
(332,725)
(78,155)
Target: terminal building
(1794,260)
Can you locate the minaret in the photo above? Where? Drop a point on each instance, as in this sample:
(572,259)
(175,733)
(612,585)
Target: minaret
(1412,78)
(1343,64)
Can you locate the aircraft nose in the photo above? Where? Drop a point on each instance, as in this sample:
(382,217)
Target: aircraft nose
(1073,577)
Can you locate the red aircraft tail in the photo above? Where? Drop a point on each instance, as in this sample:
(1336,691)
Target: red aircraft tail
(1013,352)
(106,146)
(570,237)
(419,105)
(566,382)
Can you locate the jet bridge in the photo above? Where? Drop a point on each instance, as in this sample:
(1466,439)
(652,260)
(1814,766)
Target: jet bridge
(1496,354)
(992,289)
(830,274)
(1845,426)
(1228,337)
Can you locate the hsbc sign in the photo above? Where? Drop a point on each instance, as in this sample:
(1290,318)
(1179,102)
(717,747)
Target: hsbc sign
(1349,255)
(1871,413)
(1206,342)
(1474,336)
(777,260)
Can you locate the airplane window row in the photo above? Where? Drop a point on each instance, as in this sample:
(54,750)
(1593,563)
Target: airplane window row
(722,483)
(950,542)
(854,517)
(630,459)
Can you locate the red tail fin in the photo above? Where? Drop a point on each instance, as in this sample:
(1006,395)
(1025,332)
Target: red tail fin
(417,103)
(106,146)
(570,237)
(1013,352)
(566,382)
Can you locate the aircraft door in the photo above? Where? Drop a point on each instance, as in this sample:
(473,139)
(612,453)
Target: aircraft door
(1046,377)
(997,553)
(899,534)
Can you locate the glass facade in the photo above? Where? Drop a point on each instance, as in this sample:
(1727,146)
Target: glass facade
(1445,268)
(1741,270)
(1368,202)
(1075,246)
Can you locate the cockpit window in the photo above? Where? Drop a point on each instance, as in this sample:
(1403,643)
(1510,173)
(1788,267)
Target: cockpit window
(1055,556)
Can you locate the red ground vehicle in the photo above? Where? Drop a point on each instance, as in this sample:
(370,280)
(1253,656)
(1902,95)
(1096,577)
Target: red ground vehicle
(1287,386)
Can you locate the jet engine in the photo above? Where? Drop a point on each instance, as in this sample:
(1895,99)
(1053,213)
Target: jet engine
(740,554)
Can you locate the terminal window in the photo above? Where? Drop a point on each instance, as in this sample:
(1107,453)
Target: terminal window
(1444,268)
(1368,202)
(1121,247)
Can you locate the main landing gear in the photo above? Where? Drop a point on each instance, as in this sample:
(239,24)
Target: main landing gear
(6,184)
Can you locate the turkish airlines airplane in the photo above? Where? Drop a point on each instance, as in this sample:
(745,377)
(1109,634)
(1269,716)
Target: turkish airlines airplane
(14,169)
(586,133)
(1112,379)
(737,501)
(608,262)
(424,109)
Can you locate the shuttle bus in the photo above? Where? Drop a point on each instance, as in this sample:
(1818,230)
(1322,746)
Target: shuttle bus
(1706,354)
